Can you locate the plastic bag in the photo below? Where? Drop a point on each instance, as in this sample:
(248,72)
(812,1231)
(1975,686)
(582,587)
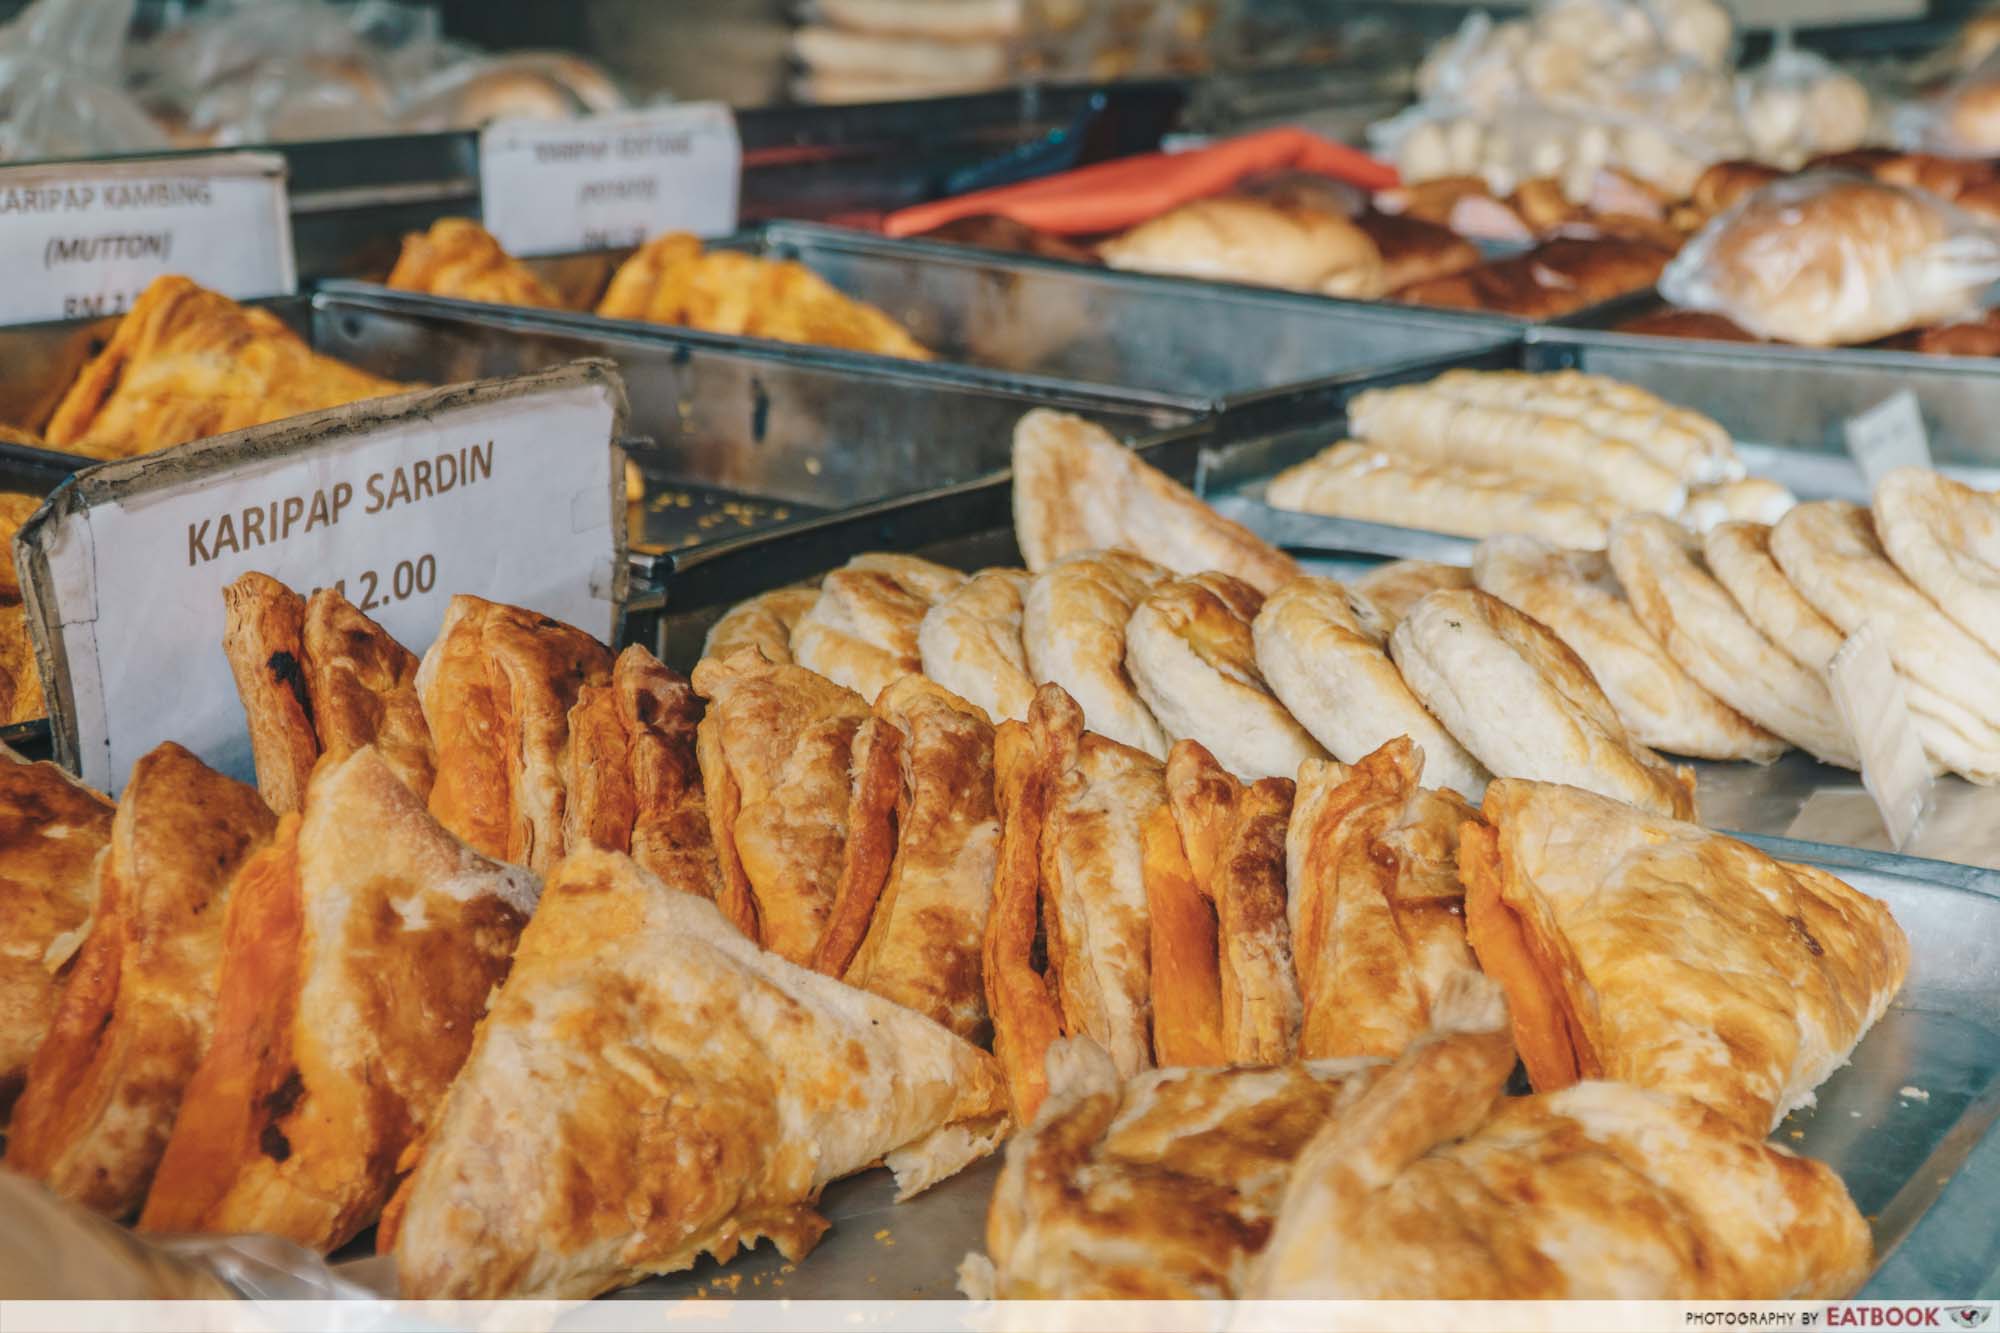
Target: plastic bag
(1529,141)
(60,94)
(1798,105)
(1961,121)
(1830,259)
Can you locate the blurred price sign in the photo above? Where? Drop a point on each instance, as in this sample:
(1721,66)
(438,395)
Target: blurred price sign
(82,239)
(602,182)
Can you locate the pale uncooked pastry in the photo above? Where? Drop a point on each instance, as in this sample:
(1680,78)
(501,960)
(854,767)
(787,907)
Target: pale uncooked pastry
(1073,627)
(970,642)
(1362,481)
(1077,489)
(1525,705)
(1325,657)
(1828,549)
(1394,588)
(1704,630)
(1945,537)
(1575,594)
(1429,422)
(861,631)
(1190,652)
(1754,499)
(1693,447)
(1739,555)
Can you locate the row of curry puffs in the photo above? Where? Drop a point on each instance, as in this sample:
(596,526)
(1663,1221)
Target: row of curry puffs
(1146,906)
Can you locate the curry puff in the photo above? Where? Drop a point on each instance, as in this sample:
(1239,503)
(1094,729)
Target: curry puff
(187,363)
(359,950)
(1638,948)
(497,687)
(139,1006)
(631,775)
(649,1086)
(316,676)
(51,830)
(776,748)
(1433,1186)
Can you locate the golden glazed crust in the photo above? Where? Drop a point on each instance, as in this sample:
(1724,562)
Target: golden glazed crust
(534,667)
(1239,239)
(649,1086)
(1375,903)
(359,950)
(1163,1187)
(764,622)
(459,258)
(1430,1186)
(922,948)
(1073,627)
(363,687)
(1642,949)
(51,830)
(264,639)
(187,363)
(105,1084)
(469,796)
(671,280)
(1234,836)
(776,749)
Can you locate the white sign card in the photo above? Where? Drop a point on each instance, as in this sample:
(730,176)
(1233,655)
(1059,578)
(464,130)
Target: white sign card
(81,240)
(509,489)
(602,182)
(1887,436)
(1876,710)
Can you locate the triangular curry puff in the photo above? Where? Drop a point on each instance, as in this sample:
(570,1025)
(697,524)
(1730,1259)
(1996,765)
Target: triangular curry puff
(776,747)
(316,676)
(263,637)
(496,687)
(922,942)
(51,830)
(1374,900)
(1431,1186)
(1638,948)
(136,1014)
(632,777)
(1234,837)
(649,1086)
(359,951)
(1161,1187)
(187,363)
(1086,834)
(1076,488)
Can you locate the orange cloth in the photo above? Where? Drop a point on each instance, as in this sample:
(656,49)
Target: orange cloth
(1111,196)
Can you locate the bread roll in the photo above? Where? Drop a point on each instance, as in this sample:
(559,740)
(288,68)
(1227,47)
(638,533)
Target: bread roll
(1234,239)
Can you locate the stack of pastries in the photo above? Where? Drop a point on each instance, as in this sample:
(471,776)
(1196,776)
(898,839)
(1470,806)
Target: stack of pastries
(671,279)
(1557,455)
(561,969)
(1213,951)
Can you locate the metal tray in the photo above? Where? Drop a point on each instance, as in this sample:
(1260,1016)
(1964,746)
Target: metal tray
(352,199)
(1769,390)
(1263,355)
(1908,1123)
(731,437)
(1785,407)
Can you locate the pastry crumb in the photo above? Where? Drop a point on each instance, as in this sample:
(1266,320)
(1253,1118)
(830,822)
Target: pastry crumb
(1914,1093)
(883,1234)
(1798,1133)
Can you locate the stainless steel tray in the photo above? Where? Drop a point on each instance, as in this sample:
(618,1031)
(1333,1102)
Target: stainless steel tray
(1793,396)
(1786,408)
(1908,1123)
(1258,353)
(731,437)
